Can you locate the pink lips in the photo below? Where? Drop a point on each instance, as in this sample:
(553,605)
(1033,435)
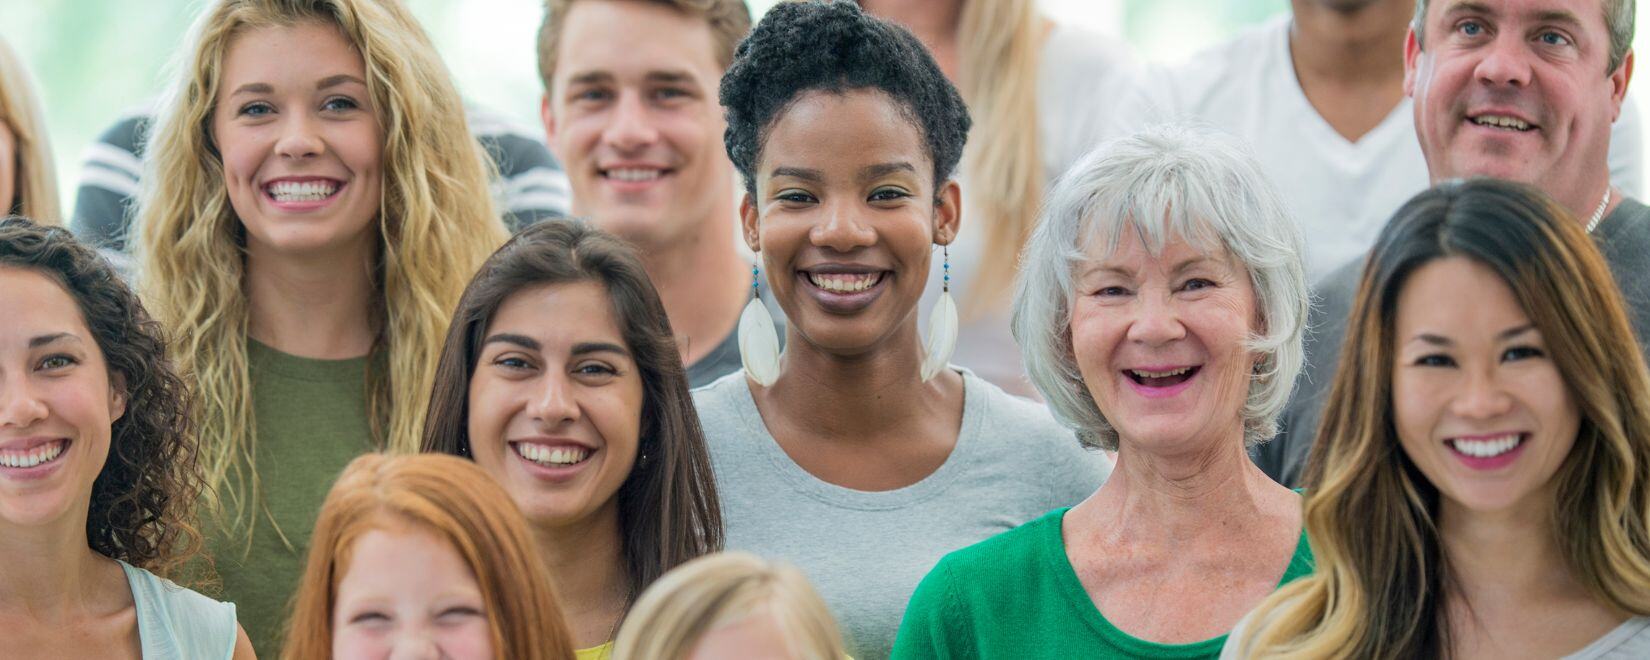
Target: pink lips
(553,473)
(1165,392)
(840,302)
(1490,463)
(303,206)
(40,471)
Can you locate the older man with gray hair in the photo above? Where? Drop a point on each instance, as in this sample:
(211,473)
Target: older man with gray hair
(1524,90)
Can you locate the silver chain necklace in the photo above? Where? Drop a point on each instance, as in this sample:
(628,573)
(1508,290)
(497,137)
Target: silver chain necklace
(1598,213)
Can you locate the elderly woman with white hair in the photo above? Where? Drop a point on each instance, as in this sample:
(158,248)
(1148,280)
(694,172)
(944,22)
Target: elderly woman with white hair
(1159,312)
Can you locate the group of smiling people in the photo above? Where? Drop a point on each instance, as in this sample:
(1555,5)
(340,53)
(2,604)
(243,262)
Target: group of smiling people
(527,474)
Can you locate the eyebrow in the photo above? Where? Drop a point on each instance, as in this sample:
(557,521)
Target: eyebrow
(42,340)
(523,341)
(581,348)
(880,170)
(1504,335)
(586,348)
(327,82)
(339,79)
(802,173)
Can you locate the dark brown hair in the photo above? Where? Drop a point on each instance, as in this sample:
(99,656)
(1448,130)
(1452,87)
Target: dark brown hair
(143,501)
(668,511)
(1382,576)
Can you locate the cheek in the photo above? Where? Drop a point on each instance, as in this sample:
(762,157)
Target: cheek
(472,640)
(1092,341)
(617,415)
(1416,404)
(489,415)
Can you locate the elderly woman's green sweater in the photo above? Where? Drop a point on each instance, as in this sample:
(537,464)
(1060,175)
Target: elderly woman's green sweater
(1016,595)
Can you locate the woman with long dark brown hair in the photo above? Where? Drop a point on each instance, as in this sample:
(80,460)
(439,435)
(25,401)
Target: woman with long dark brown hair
(561,379)
(1481,482)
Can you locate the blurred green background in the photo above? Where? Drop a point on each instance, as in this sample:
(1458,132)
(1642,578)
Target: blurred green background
(95,59)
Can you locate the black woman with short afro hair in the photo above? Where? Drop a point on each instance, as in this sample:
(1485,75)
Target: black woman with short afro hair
(861,451)
(834,46)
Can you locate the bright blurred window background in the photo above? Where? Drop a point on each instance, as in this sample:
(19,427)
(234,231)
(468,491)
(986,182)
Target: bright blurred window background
(95,59)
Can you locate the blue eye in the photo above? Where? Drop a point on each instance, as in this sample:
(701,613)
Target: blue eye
(340,103)
(1197,283)
(1554,39)
(1471,28)
(595,368)
(1109,291)
(256,109)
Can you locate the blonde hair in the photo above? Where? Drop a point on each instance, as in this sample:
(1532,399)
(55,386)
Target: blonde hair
(1382,575)
(457,502)
(435,225)
(36,189)
(1000,44)
(713,590)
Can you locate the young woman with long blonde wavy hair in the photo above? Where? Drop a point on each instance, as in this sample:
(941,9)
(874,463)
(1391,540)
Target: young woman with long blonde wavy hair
(1041,95)
(314,208)
(28,180)
(1481,483)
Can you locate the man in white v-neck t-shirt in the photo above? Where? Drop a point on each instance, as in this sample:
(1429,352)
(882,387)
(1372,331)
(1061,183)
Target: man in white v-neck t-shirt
(1318,95)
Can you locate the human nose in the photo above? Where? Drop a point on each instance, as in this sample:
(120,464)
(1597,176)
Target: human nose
(554,402)
(1481,397)
(415,645)
(1505,62)
(631,127)
(298,138)
(1156,322)
(843,229)
(20,405)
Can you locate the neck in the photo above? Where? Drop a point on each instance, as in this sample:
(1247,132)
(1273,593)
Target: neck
(1182,492)
(854,396)
(586,562)
(1362,46)
(50,572)
(1505,554)
(1584,201)
(933,22)
(703,283)
(313,306)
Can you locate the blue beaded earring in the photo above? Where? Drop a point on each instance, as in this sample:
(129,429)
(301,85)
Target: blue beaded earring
(758,339)
(942,326)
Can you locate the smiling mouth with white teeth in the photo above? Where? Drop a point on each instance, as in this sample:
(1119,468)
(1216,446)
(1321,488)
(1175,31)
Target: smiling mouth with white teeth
(560,456)
(1487,447)
(1168,378)
(1503,122)
(38,455)
(633,174)
(845,282)
(304,191)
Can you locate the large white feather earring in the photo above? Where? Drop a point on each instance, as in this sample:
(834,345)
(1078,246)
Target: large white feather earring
(758,340)
(942,327)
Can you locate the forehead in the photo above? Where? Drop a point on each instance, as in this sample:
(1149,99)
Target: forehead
(1457,293)
(628,38)
(1589,13)
(51,308)
(840,131)
(304,50)
(558,314)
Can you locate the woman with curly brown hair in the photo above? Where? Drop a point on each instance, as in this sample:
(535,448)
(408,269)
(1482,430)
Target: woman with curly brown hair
(98,474)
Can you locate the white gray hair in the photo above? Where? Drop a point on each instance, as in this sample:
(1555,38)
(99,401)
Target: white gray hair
(1180,180)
